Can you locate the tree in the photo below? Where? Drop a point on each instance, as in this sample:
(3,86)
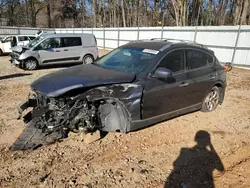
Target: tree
(36,6)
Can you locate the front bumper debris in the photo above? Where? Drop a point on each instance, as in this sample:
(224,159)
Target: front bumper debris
(25,105)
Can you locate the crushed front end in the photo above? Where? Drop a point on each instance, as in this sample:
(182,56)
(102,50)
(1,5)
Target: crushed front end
(50,119)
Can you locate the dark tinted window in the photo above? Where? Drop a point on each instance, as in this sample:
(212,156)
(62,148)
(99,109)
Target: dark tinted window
(197,59)
(32,38)
(71,41)
(23,38)
(173,61)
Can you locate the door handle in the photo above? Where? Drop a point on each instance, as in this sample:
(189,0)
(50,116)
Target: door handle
(57,50)
(66,50)
(183,84)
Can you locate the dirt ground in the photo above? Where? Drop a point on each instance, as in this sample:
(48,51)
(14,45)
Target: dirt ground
(139,159)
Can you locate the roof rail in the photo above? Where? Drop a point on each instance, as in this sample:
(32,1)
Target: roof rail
(180,40)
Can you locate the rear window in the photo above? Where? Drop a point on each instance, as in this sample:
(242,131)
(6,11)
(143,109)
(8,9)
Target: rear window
(71,41)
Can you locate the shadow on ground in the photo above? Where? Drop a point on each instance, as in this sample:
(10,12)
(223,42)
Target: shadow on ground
(17,75)
(194,166)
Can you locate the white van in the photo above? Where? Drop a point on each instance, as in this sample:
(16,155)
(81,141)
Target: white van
(48,49)
(10,41)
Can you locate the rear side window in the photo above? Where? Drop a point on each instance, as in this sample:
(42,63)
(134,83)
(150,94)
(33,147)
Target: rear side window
(23,38)
(174,61)
(198,59)
(71,41)
(32,38)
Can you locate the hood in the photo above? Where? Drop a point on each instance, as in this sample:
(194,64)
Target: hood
(62,81)
(18,48)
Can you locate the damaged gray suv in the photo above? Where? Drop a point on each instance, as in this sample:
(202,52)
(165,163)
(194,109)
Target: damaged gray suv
(134,86)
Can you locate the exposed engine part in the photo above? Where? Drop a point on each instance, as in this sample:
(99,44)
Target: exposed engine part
(55,118)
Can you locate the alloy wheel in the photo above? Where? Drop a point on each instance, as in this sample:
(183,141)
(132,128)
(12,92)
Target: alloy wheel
(212,100)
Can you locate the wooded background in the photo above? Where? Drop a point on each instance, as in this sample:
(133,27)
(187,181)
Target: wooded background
(123,13)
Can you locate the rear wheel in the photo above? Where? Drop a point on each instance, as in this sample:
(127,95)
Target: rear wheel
(211,101)
(1,52)
(31,64)
(87,59)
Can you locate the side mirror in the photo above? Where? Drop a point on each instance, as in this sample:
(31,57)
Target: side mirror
(162,73)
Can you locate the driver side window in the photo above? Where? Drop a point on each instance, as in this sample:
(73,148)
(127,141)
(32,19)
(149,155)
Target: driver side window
(49,43)
(174,61)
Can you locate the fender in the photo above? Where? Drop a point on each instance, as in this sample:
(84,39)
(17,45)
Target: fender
(130,95)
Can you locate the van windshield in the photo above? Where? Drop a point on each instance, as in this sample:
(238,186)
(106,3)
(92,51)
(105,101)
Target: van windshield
(34,42)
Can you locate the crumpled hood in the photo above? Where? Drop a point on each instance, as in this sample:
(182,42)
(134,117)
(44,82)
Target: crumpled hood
(62,81)
(18,48)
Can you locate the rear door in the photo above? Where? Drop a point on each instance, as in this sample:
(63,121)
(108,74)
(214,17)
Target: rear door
(72,49)
(201,74)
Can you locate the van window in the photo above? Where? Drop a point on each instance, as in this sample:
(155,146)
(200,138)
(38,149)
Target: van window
(49,44)
(71,41)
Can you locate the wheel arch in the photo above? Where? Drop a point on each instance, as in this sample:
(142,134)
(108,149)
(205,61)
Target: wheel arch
(127,96)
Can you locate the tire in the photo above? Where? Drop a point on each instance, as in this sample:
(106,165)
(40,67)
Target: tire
(211,101)
(1,52)
(87,59)
(31,64)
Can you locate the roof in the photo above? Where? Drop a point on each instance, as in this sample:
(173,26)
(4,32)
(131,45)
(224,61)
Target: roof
(154,45)
(162,44)
(66,34)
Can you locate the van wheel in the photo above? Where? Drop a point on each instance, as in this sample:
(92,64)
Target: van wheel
(211,101)
(30,64)
(87,59)
(1,52)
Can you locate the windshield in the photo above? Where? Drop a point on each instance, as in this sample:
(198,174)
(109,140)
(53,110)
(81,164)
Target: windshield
(130,60)
(34,42)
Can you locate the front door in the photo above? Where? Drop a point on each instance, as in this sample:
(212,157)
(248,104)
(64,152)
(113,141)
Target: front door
(50,51)
(165,96)
(8,42)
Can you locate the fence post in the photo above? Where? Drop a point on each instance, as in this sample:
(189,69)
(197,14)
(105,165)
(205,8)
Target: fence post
(195,33)
(18,31)
(118,37)
(236,44)
(104,38)
(138,33)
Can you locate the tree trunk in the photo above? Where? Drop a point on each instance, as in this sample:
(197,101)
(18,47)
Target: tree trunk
(49,15)
(83,13)
(94,16)
(237,11)
(123,14)
(245,12)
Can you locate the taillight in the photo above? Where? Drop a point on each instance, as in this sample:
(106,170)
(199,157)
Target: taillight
(227,67)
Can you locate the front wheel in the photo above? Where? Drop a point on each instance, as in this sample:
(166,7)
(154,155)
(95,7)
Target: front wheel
(87,59)
(211,101)
(30,64)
